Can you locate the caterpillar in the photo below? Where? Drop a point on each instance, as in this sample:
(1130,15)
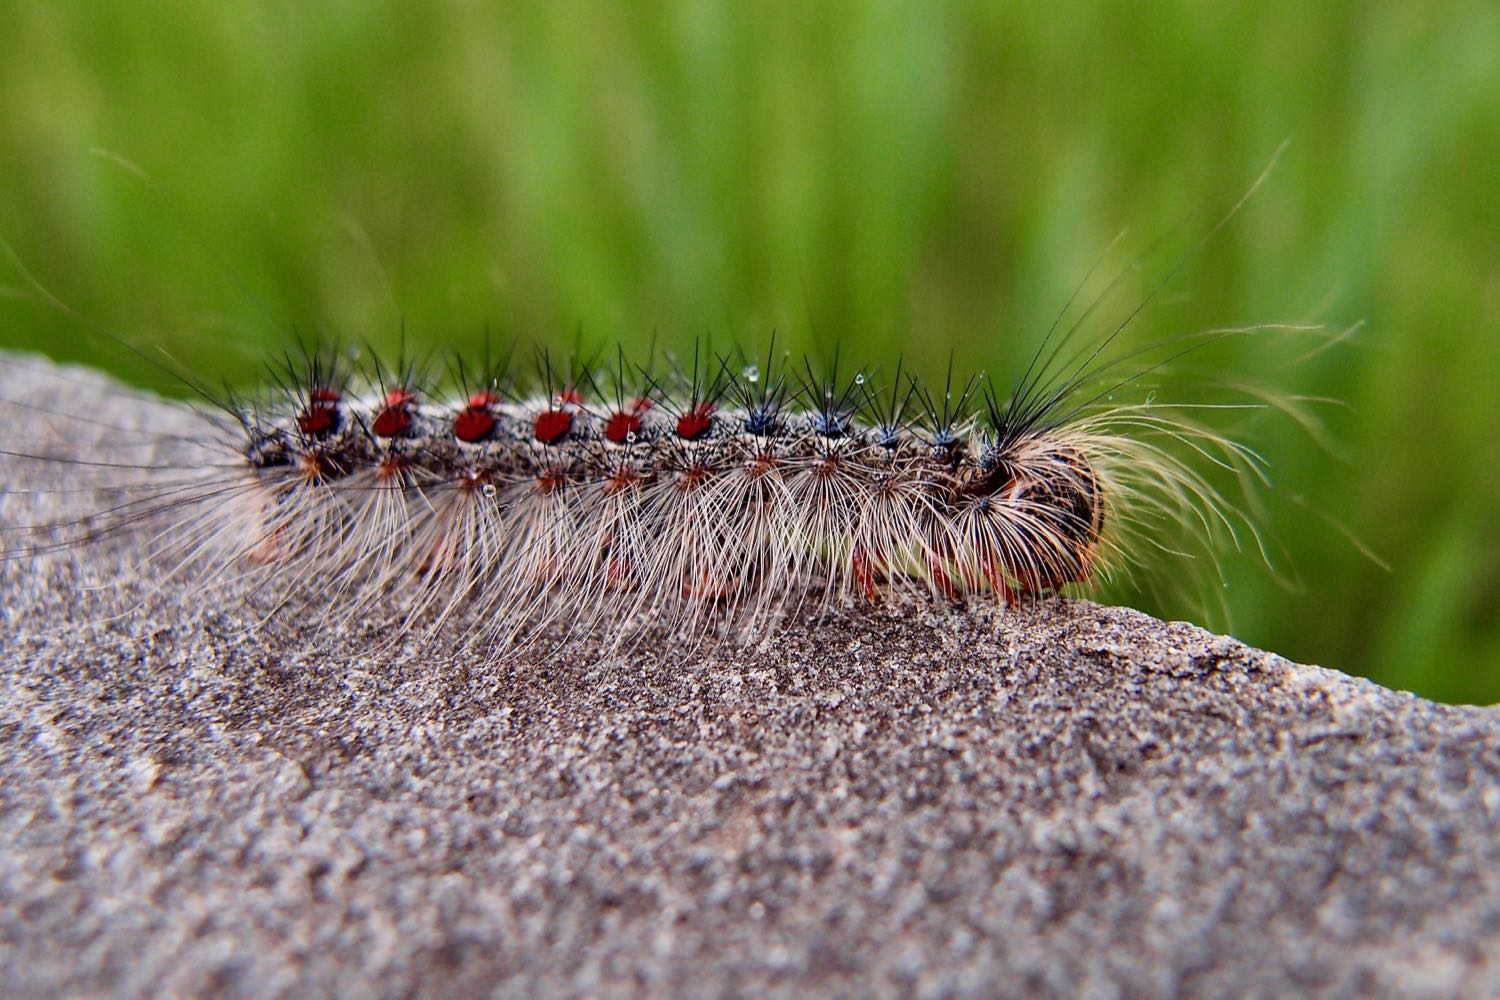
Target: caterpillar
(712,499)
(707,498)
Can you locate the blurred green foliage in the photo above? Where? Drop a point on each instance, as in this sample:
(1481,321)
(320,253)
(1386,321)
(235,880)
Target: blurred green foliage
(897,177)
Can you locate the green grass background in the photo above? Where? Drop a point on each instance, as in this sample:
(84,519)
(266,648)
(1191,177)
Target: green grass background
(899,177)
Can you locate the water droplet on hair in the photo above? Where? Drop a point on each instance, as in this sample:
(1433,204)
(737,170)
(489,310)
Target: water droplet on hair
(488,489)
(751,373)
(630,437)
(859,378)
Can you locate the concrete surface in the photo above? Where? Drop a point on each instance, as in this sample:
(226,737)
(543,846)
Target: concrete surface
(1066,799)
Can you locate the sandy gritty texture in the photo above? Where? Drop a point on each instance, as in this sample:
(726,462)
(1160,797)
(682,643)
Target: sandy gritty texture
(1068,799)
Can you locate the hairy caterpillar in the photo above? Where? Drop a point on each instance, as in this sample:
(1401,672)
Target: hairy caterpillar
(710,498)
(719,496)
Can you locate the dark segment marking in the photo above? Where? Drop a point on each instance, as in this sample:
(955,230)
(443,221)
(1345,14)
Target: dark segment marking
(696,422)
(553,426)
(830,423)
(995,471)
(268,451)
(321,416)
(1063,496)
(473,424)
(946,448)
(1075,493)
(622,427)
(395,417)
(888,436)
(476,421)
(762,421)
(624,424)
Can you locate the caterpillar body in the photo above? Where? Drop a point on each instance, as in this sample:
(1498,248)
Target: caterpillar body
(708,500)
(702,505)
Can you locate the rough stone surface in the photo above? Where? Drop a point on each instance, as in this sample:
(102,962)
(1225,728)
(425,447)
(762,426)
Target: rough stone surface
(1064,799)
